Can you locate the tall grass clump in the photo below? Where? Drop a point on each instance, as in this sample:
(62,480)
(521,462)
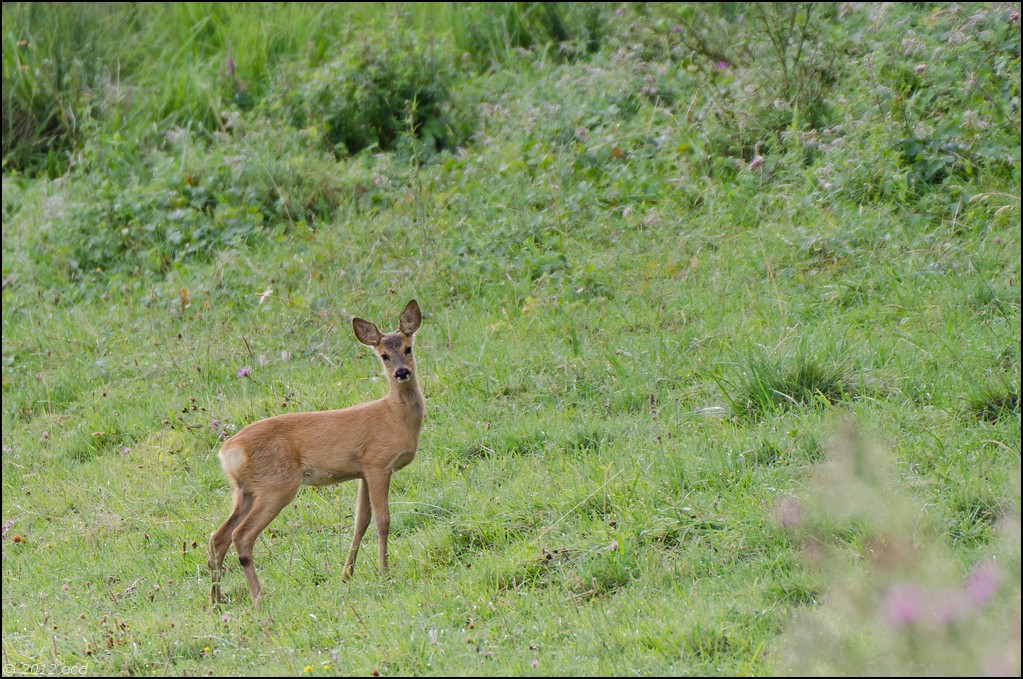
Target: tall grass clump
(219,146)
(493,33)
(895,601)
(992,402)
(770,381)
(56,62)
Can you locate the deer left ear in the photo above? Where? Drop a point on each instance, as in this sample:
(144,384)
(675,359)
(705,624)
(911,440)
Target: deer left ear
(410,319)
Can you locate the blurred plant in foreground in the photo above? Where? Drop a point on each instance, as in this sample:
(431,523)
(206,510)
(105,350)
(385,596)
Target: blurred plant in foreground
(893,600)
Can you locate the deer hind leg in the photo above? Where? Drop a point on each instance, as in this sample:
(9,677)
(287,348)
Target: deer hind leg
(266,505)
(362,513)
(220,541)
(378,482)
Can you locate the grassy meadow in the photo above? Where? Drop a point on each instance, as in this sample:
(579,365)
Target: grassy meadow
(720,341)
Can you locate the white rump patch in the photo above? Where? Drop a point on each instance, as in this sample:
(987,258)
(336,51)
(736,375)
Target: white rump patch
(232,460)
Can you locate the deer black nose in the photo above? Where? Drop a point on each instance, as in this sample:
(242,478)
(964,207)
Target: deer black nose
(402,374)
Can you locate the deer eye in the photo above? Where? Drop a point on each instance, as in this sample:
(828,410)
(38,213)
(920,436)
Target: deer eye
(408,350)
(385,357)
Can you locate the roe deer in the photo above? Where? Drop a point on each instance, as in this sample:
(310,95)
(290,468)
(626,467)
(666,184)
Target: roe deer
(269,460)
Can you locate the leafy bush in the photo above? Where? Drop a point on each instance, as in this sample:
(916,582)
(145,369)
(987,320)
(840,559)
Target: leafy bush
(771,68)
(142,69)
(951,120)
(375,96)
(149,225)
(145,211)
(932,121)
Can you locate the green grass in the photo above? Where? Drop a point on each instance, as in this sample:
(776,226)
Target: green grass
(640,348)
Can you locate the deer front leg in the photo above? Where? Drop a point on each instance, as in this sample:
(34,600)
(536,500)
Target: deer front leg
(362,514)
(378,481)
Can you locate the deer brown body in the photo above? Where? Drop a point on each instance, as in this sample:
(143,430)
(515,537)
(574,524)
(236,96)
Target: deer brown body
(269,460)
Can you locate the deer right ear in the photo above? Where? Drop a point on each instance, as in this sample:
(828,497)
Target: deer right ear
(410,319)
(366,332)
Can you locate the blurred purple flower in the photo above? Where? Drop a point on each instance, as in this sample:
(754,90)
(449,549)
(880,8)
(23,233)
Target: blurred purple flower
(721,65)
(619,12)
(676,29)
(904,605)
(244,372)
(230,65)
(214,423)
(7,526)
(982,583)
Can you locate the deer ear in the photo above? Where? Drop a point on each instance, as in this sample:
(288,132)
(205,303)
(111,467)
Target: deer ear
(410,319)
(366,332)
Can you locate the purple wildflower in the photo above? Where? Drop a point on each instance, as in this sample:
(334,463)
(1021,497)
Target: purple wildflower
(244,372)
(982,582)
(230,65)
(903,607)
(676,29)
(721,65)
(7,526)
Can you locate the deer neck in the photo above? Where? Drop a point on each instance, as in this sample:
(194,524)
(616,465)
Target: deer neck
(407,399)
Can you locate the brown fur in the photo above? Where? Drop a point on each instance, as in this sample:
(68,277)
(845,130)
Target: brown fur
(269,460)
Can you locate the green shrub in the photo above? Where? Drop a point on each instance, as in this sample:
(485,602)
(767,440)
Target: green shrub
(951,121)
(145,211)
(377,96)
(771,69)
(150,225)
